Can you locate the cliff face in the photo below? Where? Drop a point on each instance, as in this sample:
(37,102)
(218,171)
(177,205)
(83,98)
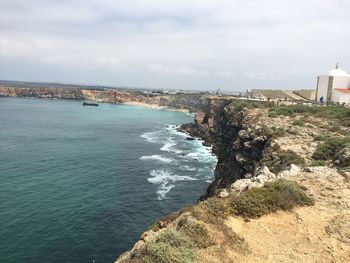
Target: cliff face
(239,140)
(191,102)
(59,93)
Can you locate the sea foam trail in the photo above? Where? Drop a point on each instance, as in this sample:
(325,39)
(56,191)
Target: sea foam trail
(157,158)
(165,180)
(188,157)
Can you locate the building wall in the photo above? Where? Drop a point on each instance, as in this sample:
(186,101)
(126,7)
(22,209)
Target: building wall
(337,96)
(341,82)
(341,97)
(322,88)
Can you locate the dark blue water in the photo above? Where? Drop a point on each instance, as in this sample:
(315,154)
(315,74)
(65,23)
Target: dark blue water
(80,184)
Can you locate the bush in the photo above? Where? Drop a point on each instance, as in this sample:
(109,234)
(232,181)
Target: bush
(281,160)
(216,207)
(328,149)
(285,111)
(334,127)
(281,194)
(320,137)
(273,114)
(341,113)
(196,231)
(278,132)
(318,163)
(298,123)
(170,246)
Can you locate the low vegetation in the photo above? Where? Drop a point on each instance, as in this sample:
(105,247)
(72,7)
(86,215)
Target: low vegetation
(334,112)
(194,228)
(196,231)
(272,114)
(329,148)
(282,159)
(170,246)
(278,132)
(280,195)
(256,202)
(320,137)
(298,123)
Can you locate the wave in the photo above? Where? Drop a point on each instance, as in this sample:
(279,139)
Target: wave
(157,158)
(165,180)
(169,147)
(151,136)
(188,168)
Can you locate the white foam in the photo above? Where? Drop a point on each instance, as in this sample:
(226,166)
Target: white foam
(169,147)
(151,136)
(157,158)
(163,190)
(165,180)
(188,168)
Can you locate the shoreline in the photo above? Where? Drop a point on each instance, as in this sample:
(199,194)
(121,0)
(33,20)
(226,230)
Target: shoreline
(152,106)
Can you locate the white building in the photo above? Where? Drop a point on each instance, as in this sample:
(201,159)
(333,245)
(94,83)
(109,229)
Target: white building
(334,87)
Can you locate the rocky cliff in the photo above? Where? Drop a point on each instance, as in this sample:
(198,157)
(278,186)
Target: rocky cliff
(60,93)
(261,207)
(239,140)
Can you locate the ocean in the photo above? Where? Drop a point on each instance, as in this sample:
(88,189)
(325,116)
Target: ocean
(81,184)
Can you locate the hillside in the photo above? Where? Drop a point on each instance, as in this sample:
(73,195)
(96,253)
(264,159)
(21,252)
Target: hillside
(281,191)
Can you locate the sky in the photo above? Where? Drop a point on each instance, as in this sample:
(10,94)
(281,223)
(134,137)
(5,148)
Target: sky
(174,44)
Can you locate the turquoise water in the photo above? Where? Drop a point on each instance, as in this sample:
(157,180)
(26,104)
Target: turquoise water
(80,184)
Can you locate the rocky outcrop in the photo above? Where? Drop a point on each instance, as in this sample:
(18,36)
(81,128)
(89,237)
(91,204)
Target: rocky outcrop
(239,140)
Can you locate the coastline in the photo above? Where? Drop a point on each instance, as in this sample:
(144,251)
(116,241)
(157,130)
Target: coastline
(152,106)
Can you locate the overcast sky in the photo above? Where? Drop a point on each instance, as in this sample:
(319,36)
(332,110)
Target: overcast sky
(185,44)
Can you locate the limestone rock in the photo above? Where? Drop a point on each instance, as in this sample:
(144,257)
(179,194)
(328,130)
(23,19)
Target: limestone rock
(293,170)
(240,185)
(224,193)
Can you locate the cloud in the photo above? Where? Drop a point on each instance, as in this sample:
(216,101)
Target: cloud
(227,44)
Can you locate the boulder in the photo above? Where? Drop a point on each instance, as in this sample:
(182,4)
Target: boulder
(240,185)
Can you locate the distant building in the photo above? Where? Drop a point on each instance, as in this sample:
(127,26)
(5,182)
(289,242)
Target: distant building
(333,87)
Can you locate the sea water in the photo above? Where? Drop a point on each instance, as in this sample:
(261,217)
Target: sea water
(81,184)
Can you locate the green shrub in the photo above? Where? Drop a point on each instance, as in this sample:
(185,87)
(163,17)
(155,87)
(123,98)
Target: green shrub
(334,127)
(293,131)
(272,114)
(196,231)
(170,246)
(320,137)
(281,194)
(278,132)
(340,113)
(317,163)
(217,207)
(298,123)
(328,149)
(282,159)
(285,111)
